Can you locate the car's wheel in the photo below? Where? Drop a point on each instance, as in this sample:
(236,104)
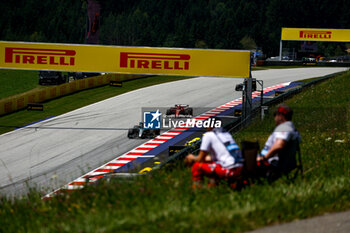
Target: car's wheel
(157,132)
(131,133)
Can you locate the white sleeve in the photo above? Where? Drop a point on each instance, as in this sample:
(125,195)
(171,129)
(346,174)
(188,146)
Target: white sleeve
(283,135)
(205,144)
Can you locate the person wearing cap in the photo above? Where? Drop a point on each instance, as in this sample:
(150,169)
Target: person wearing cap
(280,142)
(219,158)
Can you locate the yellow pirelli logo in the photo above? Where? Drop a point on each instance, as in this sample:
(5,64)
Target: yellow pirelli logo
(39,56)
(305,34)
(155,61)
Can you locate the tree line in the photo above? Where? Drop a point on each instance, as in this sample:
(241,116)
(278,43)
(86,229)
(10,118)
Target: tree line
(214,24)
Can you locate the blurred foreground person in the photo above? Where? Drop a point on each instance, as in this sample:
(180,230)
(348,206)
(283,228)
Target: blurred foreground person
(219,158)
(278,156)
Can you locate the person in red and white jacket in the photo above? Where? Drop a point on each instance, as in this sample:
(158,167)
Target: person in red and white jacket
(219,158)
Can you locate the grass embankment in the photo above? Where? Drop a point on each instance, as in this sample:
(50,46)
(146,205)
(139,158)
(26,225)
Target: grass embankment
(164,202)
(71,102)
(15,82)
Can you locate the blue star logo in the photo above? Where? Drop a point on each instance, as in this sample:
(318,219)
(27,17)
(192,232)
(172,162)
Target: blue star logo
(151,120)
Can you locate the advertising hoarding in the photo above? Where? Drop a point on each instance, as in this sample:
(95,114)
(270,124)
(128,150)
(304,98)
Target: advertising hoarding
(127,60)
(312,34)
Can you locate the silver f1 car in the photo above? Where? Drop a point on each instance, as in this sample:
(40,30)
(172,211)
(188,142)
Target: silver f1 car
(139,132)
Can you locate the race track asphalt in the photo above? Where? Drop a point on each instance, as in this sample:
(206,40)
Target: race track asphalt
(53,152)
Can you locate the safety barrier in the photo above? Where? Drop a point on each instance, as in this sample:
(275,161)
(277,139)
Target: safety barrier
(21,101)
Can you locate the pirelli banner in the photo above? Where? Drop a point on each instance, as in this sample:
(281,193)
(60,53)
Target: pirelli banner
(127,60)
(307,34)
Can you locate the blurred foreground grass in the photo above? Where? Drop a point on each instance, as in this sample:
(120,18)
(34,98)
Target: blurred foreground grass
(163,201)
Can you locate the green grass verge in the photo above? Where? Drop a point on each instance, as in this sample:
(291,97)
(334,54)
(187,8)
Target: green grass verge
(15,82)
(164,201)
(77,100)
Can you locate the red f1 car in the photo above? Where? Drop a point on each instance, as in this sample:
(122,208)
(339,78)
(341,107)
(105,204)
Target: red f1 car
(180,109)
